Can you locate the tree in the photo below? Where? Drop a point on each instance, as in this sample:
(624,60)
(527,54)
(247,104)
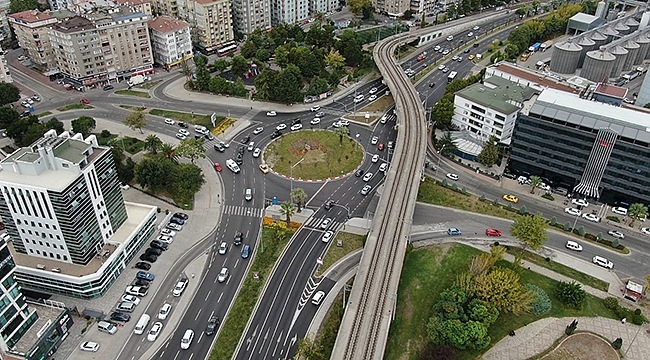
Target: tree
(541,302)
(191,149)
(7,116)
(9,93)
(298,195)
(153,172)
(482,311)
(535,182)
(168,151)
(443,111)
(341,131)
(356,6)
(446,145)
(471,334)
(53,124)
(530,230)
(188,177)
(152,143)
(221,64)
(287,209)
(408,14)
(501,288)
(23,5)
(202,74)
(17,129)
(187,70)
(239,66)
(490,153)
(136,120)
(570,294)
(439,352)
(317,86)
(335,60)
(350,47)
(637,211)
(308,350)
(84,125)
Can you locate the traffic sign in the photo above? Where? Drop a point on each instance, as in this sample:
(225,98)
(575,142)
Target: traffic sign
(319,261)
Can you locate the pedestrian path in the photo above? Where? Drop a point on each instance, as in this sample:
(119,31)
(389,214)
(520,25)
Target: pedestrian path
(243,211)
(315,223)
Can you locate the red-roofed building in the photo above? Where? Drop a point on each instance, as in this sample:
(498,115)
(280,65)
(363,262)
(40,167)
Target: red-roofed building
(31,29)
(143,6)
(527,77)
(171,40)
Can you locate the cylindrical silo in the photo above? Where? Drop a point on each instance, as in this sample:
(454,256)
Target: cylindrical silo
(622,28)
(610,33)
(632,51)
(587,45)
(565,57)
(621,55)
(644,46)
(598,65)
(598,38)
(632,24)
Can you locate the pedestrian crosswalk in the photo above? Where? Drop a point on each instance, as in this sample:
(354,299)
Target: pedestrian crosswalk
(316,223)
(243,211)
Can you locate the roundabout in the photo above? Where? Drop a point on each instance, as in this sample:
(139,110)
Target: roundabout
(314,154)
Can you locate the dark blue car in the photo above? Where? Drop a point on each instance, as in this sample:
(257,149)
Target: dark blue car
(145,275)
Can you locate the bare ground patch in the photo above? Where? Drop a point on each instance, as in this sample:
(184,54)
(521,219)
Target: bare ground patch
(583,346)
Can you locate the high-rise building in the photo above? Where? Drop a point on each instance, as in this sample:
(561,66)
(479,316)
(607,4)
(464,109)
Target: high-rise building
(210,21)
(171,41)
(250,15)
(62,205)
(289,11)
(322,6)
(395,8)
(31,28)
(166,7)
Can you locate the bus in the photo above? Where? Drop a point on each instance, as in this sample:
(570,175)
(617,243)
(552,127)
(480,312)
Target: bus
(227,48)
(452,76)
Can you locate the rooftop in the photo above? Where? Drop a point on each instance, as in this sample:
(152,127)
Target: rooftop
(542,80)
(71,150)
(165,24)
(586,18)
(611,90)
(46,316)
(31,16)
(499,94)
(74,24)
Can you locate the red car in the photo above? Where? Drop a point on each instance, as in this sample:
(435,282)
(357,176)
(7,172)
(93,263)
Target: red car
(380,147)
(85,101)
(492,232)
(217,167)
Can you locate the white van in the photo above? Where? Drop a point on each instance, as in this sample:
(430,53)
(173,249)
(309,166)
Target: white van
(142,324)
(232,165)
(186,341)
(318,297)
(106,327)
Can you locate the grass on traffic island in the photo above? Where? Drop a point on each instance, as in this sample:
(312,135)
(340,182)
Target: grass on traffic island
(349,243)
(313,155)
(430,270)
(75,106)
(43,114)
(223,126)
(141,94)
(190,118)
(275,236)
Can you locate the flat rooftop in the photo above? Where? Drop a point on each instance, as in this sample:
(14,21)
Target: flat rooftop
(46,316)
(136,213)
(499,94)
(534,77)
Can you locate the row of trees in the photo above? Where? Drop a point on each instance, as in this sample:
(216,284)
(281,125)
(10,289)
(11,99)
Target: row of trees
(217,84)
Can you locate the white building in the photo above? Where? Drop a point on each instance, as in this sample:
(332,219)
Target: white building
(171,41)
(62,205)
(249,15)
(323,6)
(5,74)
(289,11)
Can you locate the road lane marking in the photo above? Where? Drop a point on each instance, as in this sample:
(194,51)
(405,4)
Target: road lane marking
(208,295)
(197,315)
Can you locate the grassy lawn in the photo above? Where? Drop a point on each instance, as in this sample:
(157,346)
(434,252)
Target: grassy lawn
(131,145)
(275,239)
(325,158)
(141,94)
(351,242)
(74,107)
(381,104)
(104,140)
(133,108)
(428,271)
(149,84)
(44,114)
(196,119)
(565,270)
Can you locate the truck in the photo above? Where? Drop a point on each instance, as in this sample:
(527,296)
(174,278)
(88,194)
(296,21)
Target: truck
(422,56)
(633,290)
(535,47)
(136,80)
(546,45)
(631,75)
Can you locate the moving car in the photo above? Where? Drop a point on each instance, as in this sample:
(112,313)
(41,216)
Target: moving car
(326,223)
(108,87)
(359,172)
(164,311)
(441,67)
(213,325)
(89,346)
(580,202)
(327,236)
(591,217)
(511,198)
(217,167)
(186,341)
(85,101)
(383,167)
(257,152)
(223,275)
(318,297)
(646,230)
(264,167)
(251,146)
(367,177)
(169,122)
(366,190)
(573,211)
(373,90)
(452,176)
(276,134)
(296,127)
(374,140)
(601,261)
(375,158)
(617,234)
(239,237)
(223,248)
(245,252)
(184,132)
(155,330)
(180,287)
(315,108)
(281,127)
(271,113)
(315,121)
(453,231)
(619,210)
(572,245)
(181,136)
(320,114)
(258,130)
(372,98)
(493,232)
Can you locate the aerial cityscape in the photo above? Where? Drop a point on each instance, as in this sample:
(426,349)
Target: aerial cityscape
(324,179)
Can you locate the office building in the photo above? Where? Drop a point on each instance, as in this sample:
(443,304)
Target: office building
(600,151)
(31,28)
(171,41)
(70,230)
(210,21)
(289,11)
(250,15)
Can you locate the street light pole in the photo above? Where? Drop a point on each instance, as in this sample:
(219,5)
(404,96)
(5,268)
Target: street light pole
(440,155)
(291,175)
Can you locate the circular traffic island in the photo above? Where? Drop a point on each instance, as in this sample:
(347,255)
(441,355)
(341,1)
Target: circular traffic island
(313,155)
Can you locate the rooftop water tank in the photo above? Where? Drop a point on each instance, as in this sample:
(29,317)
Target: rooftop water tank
(598,65)
(565,58)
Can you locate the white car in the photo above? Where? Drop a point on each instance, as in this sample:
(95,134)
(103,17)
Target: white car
(366,190)
(454,58)
(373,90)
(580,202)
(326,223)
(167,232)
(450,38)
(223,248)
(544,187)
(181,136)
(257,152)
(281,127)
(617,234)
(187,338)
(572,245)
(89,346)
(327,236)
(131,298)
(599,260)
(441,67)
(258,130)
(358,100)
(166,238)
(367,176)
(383,167)
(475,28)
(619,210)
(223,275)
(315,121)
(271,113)
(184,132)
(320,114)
(169,122)
(591,217)
(452,176)
(374,140)
(470,34)
(164,311)
(315,108)
(372,98)
(174,227)
(179,288)
(296,127)
(155,330)
(573,211)
(437,48)
(375,158)
(251,146)
(646,230)
(384,119)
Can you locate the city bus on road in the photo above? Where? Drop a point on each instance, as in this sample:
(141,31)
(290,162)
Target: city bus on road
(452,76)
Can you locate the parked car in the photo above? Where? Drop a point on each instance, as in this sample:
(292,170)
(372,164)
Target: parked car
(493,232)
(175,220)
(174,227)
(159,245)
(149,258)
(181,215)
(619,210)
(89,346)
(120,316)
(165,238)
(580,202)
(142,265)
(137,291)
(601,261)
(145,275)
(153,251)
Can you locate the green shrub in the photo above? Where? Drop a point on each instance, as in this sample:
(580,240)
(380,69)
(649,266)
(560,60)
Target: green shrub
(615,243)
(617,344)
(567,226)
(541,302)
(581,231)
(599,236)
(522,210)
(589,236)
(610,302)
(571,328)
(463,190)
(510,207)
(496,202)
(454,187)
(445,183)
(482,198)
(553,221)
(548,197)
(614,219)
(570,294)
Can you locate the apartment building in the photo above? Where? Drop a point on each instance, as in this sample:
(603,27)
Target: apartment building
(250,15)
(393,8)
(166,7)
(171,41)
(5,74)
(31,28)
(210,21)
(142,6)
(289,11)
(4,25)
(323,6)
(71,231)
